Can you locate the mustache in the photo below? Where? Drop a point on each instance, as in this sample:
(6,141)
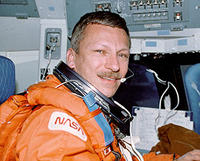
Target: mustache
(113,75)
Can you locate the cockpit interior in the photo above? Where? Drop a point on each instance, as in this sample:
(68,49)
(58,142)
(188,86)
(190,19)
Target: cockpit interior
(164,53)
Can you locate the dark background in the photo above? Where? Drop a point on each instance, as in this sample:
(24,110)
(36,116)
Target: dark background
(144,90)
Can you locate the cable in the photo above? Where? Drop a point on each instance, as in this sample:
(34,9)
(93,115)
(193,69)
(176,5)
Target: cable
(69,81)
(173,109)
(122,80)
(156,75)
(159,107)
(117,103)
(168,116)
(135,152)
(52,48)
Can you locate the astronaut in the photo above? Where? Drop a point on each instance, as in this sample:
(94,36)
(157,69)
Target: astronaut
(70,121)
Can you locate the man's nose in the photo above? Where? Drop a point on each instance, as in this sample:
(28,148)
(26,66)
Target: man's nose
(112,63)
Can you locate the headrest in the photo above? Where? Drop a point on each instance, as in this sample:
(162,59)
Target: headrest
(7,78)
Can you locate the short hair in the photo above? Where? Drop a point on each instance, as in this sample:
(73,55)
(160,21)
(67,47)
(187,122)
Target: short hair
(101,17)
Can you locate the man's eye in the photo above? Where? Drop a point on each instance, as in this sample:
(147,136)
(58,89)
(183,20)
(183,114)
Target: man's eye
(124,55)
(99,51)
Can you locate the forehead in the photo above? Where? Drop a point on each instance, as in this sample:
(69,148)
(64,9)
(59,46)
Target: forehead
(97,27)
(99,31)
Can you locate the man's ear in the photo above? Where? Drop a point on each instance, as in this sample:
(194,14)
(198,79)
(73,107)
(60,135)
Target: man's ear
(70,58)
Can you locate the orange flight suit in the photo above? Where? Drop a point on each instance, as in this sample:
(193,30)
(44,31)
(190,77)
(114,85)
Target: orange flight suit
(62,128)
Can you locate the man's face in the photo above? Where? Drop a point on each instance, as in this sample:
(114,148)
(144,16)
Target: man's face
(103,57)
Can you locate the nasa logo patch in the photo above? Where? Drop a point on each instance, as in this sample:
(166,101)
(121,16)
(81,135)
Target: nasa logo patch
(64,122)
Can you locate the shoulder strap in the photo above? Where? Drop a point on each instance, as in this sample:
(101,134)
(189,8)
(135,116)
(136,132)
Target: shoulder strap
(100,119)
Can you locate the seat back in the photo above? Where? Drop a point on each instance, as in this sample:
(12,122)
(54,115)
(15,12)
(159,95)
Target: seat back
(192,86)
(7,78)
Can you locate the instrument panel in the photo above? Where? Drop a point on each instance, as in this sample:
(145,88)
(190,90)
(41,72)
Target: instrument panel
(144,15)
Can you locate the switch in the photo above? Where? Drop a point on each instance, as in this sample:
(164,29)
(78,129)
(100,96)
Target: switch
(178,16)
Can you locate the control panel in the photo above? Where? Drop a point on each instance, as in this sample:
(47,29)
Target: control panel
(156,26)
(145,15)
(142,15)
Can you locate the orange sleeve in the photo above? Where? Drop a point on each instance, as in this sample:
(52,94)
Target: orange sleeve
(39,140)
